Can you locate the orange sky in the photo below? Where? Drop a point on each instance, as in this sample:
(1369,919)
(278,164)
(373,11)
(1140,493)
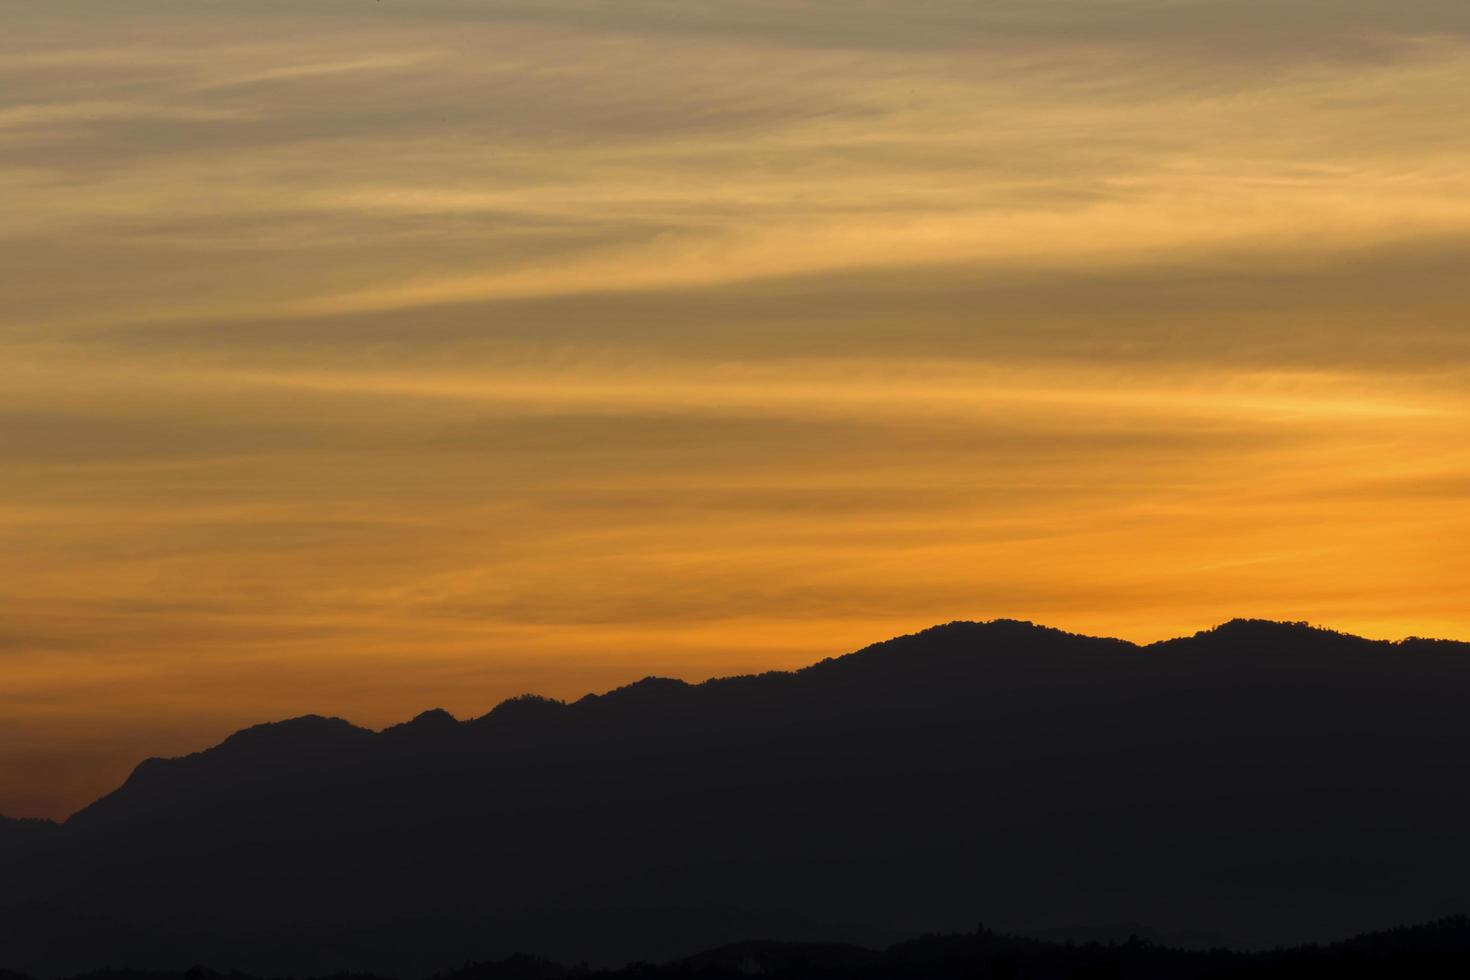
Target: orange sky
(362,358)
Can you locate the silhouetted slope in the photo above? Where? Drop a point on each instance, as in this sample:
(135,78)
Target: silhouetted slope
(27,830)
(1264,782)
(1436,950)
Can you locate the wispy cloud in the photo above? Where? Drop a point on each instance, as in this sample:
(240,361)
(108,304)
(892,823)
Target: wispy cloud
(494,346)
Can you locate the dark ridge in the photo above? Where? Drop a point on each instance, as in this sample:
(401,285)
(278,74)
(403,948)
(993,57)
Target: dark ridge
(1420,644)
(953,637)
(1448,935)
(151,772)
(265,750)
(294,732)
(1267,627)
(522,710)
(521,966)
(1123,932)
(27,825)
(432,722)
(1272,631)
(769,956)
(1268,783)
(1436,950)
(649,690)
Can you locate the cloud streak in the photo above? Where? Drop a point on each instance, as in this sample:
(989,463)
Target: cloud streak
(359,358)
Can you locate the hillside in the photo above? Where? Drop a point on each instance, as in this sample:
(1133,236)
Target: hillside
(1261,782)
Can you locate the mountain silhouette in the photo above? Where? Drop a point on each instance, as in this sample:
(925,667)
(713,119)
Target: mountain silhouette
(1432,951)
(1260,782)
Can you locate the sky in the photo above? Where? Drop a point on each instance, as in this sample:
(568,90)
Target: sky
(360,357)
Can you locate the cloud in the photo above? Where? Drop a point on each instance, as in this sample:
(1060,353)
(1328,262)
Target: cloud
(413,171)
(363,357)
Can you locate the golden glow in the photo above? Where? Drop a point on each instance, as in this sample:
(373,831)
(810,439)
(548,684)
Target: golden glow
(365,358)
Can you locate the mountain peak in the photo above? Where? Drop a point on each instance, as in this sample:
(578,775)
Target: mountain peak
(998,629)
(969,638)
(1243,624)
(648,690)
(433,718)
(521,707)
(292,730)
(434,722)
(1251,631)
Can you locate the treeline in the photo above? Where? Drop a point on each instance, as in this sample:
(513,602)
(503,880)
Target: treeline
(1439,949)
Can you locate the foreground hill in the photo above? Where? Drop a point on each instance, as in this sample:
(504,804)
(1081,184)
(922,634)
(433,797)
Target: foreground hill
(1262,782)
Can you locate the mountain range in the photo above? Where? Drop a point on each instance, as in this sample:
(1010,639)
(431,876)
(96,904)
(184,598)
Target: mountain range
(1258,783)
(1437,950)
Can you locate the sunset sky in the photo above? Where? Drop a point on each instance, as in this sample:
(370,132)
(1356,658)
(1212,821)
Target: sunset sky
(365,356)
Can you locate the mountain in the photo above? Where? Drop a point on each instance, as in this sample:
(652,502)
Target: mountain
(1261,782)
(1438,949)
